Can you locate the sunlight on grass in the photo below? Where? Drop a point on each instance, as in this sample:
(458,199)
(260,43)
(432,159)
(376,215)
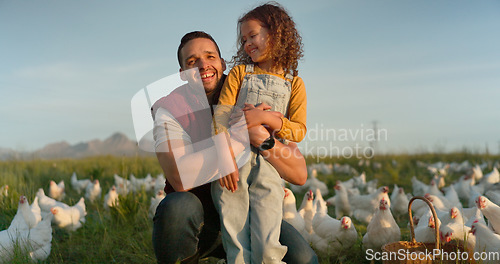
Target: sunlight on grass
(123,233)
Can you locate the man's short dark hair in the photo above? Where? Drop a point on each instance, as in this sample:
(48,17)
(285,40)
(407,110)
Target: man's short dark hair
(194,35)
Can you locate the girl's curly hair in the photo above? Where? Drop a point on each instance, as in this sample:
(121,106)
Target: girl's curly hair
(284,41)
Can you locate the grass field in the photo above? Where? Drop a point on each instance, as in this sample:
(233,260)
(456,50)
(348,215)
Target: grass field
(123,235)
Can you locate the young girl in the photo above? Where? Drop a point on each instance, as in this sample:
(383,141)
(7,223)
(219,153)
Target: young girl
(269,48)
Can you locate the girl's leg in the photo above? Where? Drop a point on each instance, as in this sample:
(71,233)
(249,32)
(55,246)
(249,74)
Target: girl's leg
(266,213)
(233,211)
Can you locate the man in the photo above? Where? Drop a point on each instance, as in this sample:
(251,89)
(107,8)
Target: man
(186,224)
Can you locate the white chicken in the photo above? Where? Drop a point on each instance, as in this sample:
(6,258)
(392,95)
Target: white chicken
(70,218)
(451,195)
(439,180)
(419,188)
(433,189)
(25,218)
(4,191)
(494,196)
(353,192)
(491,211)
(37,241)
(473,195)
(438,169)
(440,202)
(486,241)
(325,169)
(307,211)
(322,221)
(358,182)
(470,215)
(394,193)
(37,211)
(56,191)
(290,214)
(93,191)
(345,168)
(364,206)
(41,239)
(111,198)
(46,203)
(491,178)
(425,231)
(150,183)
(122,185)
(159,183)
(463,186)
(138,184)
(332,235)
(399,201)
(347,236)
(382,228)
(340,201)
(312,183)
(456,230)
(79,185)
(371,186)
(318,198)
(477,173)
(155,201)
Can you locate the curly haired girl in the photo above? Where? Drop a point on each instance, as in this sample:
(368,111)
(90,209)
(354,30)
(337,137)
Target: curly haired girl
(269,48)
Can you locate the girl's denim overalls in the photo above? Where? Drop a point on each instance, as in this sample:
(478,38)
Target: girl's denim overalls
(251,216)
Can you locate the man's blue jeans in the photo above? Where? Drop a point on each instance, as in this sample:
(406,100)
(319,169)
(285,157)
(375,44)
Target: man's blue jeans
(183,229)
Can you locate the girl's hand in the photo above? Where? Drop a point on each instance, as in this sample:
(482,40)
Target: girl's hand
(255,115)
(230,181)
(276,113)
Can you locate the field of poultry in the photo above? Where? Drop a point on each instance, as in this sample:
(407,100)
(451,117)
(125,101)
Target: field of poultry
(99,210)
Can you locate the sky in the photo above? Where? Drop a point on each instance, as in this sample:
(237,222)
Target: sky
(425,73)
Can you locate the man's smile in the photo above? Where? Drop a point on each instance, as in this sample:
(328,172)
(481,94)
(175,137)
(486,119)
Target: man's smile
(205,77)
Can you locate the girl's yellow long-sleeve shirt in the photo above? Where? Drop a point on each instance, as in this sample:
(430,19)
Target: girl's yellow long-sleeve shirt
(293,125)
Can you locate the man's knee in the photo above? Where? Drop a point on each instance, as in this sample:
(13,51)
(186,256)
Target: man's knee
(177,224)
(304,257)
(299,251)
(179,205)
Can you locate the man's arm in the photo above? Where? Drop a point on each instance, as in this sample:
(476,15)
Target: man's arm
(286,159)
(169,167)
(178,158)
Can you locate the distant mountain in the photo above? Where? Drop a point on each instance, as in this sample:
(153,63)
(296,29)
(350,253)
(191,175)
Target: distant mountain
(117,144)
(7,154)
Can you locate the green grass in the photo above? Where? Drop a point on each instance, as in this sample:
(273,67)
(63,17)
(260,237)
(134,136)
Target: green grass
(123,235)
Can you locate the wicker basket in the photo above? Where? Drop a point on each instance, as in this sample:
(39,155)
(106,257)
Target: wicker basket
(416,252)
